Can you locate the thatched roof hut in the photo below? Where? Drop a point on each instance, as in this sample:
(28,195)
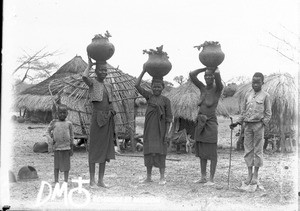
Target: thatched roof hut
(38,96)
(74,93)
(184,102)
(283,94)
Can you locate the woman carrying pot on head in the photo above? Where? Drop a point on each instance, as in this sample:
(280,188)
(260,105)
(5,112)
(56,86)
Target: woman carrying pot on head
(102,129)
(206,131)
(157,123)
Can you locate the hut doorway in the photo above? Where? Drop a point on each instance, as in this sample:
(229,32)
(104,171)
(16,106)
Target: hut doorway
(182,135)
(188,125)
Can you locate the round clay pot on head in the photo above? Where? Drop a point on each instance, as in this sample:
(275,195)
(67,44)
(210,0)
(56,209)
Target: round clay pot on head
(158,65)
(100,49)
(211,54)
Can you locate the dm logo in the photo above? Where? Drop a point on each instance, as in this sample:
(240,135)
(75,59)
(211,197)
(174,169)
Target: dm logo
(63,190)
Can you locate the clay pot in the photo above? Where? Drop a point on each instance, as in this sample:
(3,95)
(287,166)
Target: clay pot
(27,173)
(40,147)
(11,176)
(158,65)
(211,54)
(100,49)
(20,119)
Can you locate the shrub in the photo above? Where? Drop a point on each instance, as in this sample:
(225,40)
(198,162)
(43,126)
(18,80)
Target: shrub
(230,90)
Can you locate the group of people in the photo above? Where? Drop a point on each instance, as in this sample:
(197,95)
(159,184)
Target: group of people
(255,115)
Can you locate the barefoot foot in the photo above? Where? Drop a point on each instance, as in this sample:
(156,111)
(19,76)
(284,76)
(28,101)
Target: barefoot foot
(162,181)
(93,184)
(101,184)
(209,183)
(147,180)
(248,180)
(254,180)
(202,180)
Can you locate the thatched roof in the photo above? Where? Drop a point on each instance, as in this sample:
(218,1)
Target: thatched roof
(38,96)
(74,66)
(185,99)
(34,102)
(283,94)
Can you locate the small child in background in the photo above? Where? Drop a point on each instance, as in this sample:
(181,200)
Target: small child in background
(61,131)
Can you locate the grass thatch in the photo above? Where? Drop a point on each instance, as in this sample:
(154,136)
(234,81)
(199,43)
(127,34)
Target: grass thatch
(38,96)
(34,102)
(75,95)
(283,95)
(185,99)
(74,66)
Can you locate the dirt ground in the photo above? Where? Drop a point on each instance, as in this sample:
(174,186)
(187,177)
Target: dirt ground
(278,176)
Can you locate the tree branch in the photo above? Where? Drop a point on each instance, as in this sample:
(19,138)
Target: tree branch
(285,42)
(282,54)
(28,60)
(38,63)
(36,57)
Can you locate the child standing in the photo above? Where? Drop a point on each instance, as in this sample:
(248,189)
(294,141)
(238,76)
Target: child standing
(255,116)
(61,131)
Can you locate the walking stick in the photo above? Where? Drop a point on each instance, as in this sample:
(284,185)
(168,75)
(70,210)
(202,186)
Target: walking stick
(230,152)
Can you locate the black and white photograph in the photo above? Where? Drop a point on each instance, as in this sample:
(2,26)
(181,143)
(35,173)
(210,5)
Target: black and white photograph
(150,105)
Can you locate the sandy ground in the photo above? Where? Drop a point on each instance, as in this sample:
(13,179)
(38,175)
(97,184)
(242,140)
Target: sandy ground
(278,177)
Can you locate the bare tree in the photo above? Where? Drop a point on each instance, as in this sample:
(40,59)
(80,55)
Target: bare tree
(36,66)
(286,47)
(179,79)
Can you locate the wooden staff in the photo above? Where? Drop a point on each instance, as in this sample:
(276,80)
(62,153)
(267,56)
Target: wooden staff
(230,152)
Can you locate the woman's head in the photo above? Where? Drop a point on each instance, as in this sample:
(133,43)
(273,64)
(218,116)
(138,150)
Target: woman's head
(101,71)
(157,85)
(209,77)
